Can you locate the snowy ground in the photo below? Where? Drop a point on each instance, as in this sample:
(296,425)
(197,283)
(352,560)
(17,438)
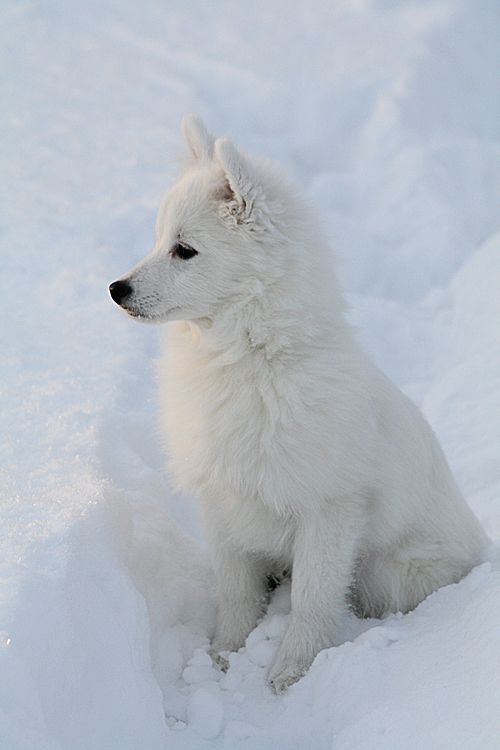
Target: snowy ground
(388,113)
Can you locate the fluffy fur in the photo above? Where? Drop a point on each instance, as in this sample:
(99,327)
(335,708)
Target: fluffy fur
(303,454)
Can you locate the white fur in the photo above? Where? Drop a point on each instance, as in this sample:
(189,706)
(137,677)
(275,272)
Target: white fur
(303,453)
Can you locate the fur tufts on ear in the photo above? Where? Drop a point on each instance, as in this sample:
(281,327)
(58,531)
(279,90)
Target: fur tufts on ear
(238,174)
(198,140)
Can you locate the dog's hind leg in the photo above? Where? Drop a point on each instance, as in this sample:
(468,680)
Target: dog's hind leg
(398,582)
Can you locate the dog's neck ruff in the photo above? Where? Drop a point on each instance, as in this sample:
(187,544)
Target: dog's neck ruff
(268,329)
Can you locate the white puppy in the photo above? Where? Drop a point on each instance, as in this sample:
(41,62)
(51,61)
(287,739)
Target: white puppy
(304,455)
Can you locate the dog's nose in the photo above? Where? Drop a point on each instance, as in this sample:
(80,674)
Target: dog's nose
(119,290)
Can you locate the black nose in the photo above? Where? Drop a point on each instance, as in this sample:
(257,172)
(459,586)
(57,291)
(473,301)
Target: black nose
(119,290)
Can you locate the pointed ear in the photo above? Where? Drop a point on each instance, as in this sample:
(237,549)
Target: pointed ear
(198,140)
(238,172)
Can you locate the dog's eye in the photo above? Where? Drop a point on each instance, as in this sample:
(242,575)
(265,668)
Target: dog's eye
(183,251)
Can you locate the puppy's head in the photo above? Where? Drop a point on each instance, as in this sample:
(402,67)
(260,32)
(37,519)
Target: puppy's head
(212,236)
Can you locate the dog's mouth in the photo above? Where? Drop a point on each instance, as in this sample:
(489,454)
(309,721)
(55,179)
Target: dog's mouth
(146,317)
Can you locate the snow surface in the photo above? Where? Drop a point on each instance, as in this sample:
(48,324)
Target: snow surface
(388,113)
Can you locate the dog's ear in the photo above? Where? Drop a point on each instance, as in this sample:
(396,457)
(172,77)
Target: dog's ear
(241,188)
(198,140)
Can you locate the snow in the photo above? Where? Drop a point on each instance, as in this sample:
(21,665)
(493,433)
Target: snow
(388,114)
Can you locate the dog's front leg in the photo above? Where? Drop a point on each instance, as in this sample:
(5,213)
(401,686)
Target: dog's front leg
(241,588)
(324,553)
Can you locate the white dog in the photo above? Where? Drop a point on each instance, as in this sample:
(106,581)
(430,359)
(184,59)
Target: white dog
(304,455)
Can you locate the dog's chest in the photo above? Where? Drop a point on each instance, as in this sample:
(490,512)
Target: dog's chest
(253,527)
(254,430)
(238,429)
(220,428)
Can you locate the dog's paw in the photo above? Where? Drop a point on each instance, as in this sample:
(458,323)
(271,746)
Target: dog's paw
(280,679)
(220,661)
